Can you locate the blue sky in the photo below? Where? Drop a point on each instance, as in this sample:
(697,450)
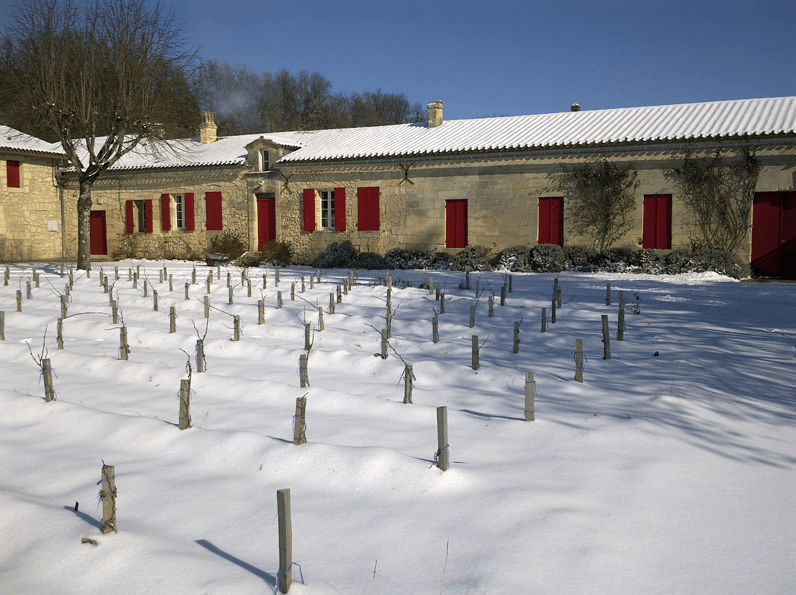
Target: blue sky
(512,57)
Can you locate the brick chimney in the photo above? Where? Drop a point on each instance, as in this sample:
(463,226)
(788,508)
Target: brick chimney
(574,107)
(434,114)
(207,129)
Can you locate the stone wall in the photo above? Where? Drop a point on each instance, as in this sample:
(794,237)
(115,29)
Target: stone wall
(30,216)
(502,193)
(112,191)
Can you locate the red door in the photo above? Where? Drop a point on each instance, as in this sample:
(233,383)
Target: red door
(774,234)
(455,223)
(98,241)
(266,219)
(551,221)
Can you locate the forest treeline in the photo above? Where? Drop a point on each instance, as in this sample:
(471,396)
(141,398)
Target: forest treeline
(244,102)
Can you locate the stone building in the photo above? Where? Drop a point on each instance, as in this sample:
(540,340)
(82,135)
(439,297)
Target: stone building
(31,214)
(440,185)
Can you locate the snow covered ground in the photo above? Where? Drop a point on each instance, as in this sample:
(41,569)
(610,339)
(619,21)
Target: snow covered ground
(670,469)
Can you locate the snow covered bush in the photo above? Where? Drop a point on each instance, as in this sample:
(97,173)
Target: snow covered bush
(516,259)
(473,257)
(336,256)
(547,258)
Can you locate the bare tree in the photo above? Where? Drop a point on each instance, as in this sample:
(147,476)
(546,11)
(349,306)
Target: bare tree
(599,201)
(720,194)
(99,77)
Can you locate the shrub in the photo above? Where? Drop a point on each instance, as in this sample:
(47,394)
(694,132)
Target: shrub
(399,259)
(516,259)
(369,260)
(579,257)
(275,252)
(336,256)
(473,257)
(228,242)
(547,258)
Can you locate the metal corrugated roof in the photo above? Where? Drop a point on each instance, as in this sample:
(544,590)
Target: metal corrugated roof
(691,121)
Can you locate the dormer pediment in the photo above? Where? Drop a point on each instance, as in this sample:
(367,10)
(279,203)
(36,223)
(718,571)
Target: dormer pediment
(266,150)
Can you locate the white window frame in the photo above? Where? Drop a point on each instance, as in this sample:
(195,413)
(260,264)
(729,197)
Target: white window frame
(178,202)
(263,156)
(326,202)
(140,215)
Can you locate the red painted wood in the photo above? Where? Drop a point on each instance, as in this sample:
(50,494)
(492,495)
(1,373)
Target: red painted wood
(266,220)
(12,174)
(128,210)
(165,211)
(368,209)
(455,223)
(551,220)
(148,216)
(657,223)
(213,206)
(309,209)
(767,233)
(190,218)
(339,209)
(98,239)
(788,269)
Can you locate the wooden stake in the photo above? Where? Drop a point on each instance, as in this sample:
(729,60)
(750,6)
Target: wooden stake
(299,421)
(307,336)
(544,320)
(28,294)
(108,497)
(436,298)
(510,284)
(620,324)
(607,294)
(145,288)
(477,288)
(276,277)
(516,337)
(503,295)
(408,384)
(553,312)
(265,280)
(201,364)
(435,330)
(384,343)
(229,279)
(530,389)
(339,296)
(60,333)
(207,306)
(331,303)
(236,327)
(114,312)
(303,372)
(293,291)
(185,405)
(187,287)
(2,326)
(285,574)
(491,305)
(260,311)
(312,282)
(472,316)
(171,283)
(47,374)
(172,319)
(389,325)
(161,277)
(155,299)
(476,363)
(63,306)
(7,274)
(230,294)
(606,338)
(442,456)
(320,317)
(467,278)
(19,300)
(442,303)
(249,286)
(578,360)
(124,347)
(278,300)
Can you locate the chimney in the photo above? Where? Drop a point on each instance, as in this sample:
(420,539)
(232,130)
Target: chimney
(434,114)
(574,107)
(207,129)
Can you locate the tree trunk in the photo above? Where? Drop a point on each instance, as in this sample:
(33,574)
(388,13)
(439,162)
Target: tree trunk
(84,225)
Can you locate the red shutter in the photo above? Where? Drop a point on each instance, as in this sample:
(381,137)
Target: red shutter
(339,209)
(648,225)
(190,223)
(12,174)
(551,221)
(456,224)
(664,231)
(368,209)
(657,222)
(165,211)
(148,215)
(128,209)
(544,221)
(309,209)
(213,205)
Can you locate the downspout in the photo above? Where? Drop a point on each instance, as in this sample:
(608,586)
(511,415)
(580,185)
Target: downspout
(59,182)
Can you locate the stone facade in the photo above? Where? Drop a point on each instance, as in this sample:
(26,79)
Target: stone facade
(30,215)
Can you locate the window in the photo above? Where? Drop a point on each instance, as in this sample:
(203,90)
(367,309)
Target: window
(327,208)
(213,205)
(551,221)
(368,209)
(657,226)
(455,223)
(12,174)
(139,216)
(264,163)
(179,211)
(330,204)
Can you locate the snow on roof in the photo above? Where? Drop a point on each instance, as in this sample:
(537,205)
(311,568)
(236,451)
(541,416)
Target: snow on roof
(14,140)
(692,121)
(665,123)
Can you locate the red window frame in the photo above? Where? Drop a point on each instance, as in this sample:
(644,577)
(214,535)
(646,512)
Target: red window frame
(368,209)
